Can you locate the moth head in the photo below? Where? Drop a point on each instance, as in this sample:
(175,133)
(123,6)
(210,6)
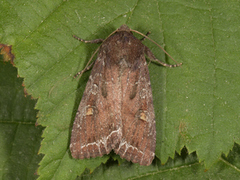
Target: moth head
(124,27)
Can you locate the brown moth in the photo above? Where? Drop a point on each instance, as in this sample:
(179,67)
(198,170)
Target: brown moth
(116,111)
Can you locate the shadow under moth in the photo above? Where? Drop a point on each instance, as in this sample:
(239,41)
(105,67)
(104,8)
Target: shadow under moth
(116,111)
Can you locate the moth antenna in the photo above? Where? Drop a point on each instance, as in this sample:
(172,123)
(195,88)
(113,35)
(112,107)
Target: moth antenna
(178,64)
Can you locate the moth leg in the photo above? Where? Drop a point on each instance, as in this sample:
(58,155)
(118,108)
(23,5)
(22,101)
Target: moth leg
(88,41)
(149,53)
(145,37)
(87,67)
(84,70)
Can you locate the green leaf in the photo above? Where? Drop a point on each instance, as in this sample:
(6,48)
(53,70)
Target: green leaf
(196,106)
(182,167)
(19,138)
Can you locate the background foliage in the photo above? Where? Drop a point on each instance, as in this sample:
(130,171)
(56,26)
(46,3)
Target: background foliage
(196,106)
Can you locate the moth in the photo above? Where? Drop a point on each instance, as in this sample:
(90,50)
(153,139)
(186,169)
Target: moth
(116,111)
